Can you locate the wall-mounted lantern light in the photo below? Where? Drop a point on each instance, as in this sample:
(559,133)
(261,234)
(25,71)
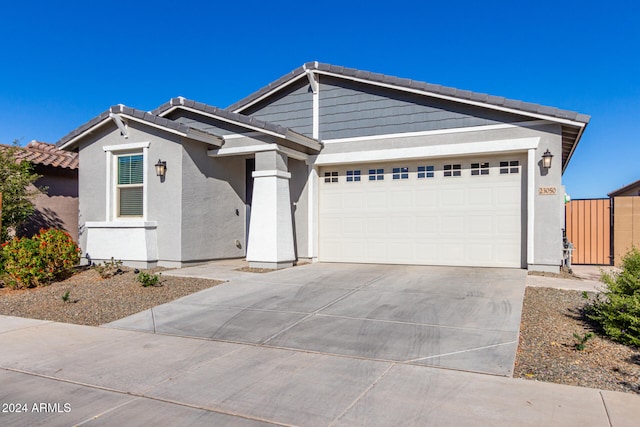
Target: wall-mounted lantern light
(546,159)
(161,168)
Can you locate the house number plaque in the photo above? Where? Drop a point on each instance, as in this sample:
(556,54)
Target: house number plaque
(546,191)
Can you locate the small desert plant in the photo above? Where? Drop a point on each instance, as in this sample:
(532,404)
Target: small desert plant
(65,297)
(581,341)
(148,279)
(47,256)
(617,309)
(108,268)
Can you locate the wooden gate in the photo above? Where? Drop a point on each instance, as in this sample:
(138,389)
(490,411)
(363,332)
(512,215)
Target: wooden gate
(588,227)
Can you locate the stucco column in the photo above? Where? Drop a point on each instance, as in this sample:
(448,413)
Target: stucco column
(271,226)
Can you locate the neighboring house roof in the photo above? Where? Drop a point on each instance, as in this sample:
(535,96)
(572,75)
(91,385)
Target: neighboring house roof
(69,141)
(238,119)
(41,153)
(573,123)
(625,189)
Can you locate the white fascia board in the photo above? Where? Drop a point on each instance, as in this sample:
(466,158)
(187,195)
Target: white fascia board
(125,147)
(240,135)
(154,125)
(453,98)
(73,140)
(168,110)
(234,122)
(526,124)
(443,150)
(272,91)
(252,149)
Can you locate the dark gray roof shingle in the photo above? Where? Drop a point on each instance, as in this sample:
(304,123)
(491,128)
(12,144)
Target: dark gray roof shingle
(139,114)
(490,100)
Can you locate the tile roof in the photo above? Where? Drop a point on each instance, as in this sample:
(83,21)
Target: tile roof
(464,95)
(41,153)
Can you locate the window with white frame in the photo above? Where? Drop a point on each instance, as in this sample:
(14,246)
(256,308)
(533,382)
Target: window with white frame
(401,173)
(376,174)
(130,185)
(426,172)
(479,169)
(453,170)
(353,176)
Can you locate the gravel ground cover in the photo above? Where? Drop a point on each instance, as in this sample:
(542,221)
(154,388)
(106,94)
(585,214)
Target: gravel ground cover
(547,350)
(93,300)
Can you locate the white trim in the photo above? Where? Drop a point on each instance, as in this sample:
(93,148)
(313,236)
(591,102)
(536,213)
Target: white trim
(526,124)
(443,150)
(108,162)
(312,81)
(316,112)
(240,135)
(113,151)
(121,224)
(118,121)
(455,99)
(266,95)
(125,147)
(86,132)
(145,184)
(268,173)
(252,149)
(234,122)
(531,196)
(312,213)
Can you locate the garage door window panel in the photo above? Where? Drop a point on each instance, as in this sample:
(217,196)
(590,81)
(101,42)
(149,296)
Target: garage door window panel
(426,172)
(376,174)
(509,167)
(478,169)
(401,173)
(453,170)
(353,176)
(330,177)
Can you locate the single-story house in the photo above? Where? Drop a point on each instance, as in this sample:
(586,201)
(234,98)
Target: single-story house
(331,164)
(57,207)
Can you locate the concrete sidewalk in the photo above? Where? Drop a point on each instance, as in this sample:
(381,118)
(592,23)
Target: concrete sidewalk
(588,279)
(62,374)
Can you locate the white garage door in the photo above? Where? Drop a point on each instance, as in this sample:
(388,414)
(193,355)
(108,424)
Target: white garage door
(448,212)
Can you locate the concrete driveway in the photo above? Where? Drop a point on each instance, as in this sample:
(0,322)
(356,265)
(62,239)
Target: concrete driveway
(448,317)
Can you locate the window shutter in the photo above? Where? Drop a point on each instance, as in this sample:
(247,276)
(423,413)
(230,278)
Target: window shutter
(131,201)
(130,170)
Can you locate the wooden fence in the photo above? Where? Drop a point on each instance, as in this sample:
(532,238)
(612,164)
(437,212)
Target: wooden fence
(626,225)
(588,227)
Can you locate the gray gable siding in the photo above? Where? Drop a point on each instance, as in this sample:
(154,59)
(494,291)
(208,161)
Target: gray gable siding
(352,109)
(291,108)
(207,124)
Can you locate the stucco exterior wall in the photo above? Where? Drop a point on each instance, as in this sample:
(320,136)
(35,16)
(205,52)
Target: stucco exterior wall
(58,206)
(213,205)
(163,198)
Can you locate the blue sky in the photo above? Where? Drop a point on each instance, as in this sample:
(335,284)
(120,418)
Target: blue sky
(65,62)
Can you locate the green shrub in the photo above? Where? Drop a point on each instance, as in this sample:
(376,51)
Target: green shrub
(36,261)
(617,309)
(108,268)
(148,279)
